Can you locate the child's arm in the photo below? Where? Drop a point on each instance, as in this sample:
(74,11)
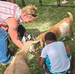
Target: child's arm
(40,61)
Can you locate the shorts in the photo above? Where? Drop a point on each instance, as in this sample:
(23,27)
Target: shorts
(47,61)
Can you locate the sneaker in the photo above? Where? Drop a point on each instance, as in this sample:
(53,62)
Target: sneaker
(63,2)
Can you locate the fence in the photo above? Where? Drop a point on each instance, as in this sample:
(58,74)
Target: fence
(58,4)
(43,3)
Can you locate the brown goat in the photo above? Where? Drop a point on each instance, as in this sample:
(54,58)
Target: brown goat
(19,63)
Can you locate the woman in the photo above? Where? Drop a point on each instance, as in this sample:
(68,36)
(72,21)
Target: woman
(10,15)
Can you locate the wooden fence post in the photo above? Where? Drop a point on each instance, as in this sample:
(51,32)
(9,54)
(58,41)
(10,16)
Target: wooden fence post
(58,2)
(23,3)
(40,1)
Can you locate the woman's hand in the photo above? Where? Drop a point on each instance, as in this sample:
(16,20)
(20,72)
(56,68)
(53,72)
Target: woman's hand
(5,28)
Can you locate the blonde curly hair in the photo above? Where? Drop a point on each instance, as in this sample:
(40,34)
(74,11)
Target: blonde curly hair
(30,9)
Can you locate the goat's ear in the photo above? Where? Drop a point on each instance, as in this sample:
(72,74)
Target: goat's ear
(36,41)
(41,40)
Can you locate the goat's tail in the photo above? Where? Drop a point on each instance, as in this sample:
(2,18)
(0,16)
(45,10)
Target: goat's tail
(71,16)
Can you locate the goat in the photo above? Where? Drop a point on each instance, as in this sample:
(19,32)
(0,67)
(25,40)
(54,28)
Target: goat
(19,63)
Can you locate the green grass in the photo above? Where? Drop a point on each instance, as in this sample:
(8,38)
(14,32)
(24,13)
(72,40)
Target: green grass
(48,17)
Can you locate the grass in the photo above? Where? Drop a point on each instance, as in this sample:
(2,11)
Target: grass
(48,17)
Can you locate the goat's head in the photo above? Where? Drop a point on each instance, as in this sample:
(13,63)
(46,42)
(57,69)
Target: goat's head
(26,37)
(29,45)
(41,42)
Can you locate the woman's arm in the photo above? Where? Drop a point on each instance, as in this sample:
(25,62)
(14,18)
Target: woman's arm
(13,31)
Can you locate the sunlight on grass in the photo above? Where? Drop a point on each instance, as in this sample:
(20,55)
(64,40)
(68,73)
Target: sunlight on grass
(40,26)
(43,26)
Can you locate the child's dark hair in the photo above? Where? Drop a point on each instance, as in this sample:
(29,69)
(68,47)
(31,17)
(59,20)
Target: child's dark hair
(50,36)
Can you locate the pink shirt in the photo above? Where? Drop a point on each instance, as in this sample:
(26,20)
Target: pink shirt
(7,10)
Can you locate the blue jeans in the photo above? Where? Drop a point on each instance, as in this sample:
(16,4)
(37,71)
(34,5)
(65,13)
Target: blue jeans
(5,56)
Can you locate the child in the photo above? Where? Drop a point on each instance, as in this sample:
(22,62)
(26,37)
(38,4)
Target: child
(55,56)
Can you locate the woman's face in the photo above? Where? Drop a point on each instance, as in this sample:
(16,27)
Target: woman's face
(27,18)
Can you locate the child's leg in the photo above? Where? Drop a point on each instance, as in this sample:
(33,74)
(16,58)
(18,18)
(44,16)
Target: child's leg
(65,1)
(46,68)
(46,65)
(68,50)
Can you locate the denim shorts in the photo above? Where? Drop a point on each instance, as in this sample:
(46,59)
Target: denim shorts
(47,61)
(5,56)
